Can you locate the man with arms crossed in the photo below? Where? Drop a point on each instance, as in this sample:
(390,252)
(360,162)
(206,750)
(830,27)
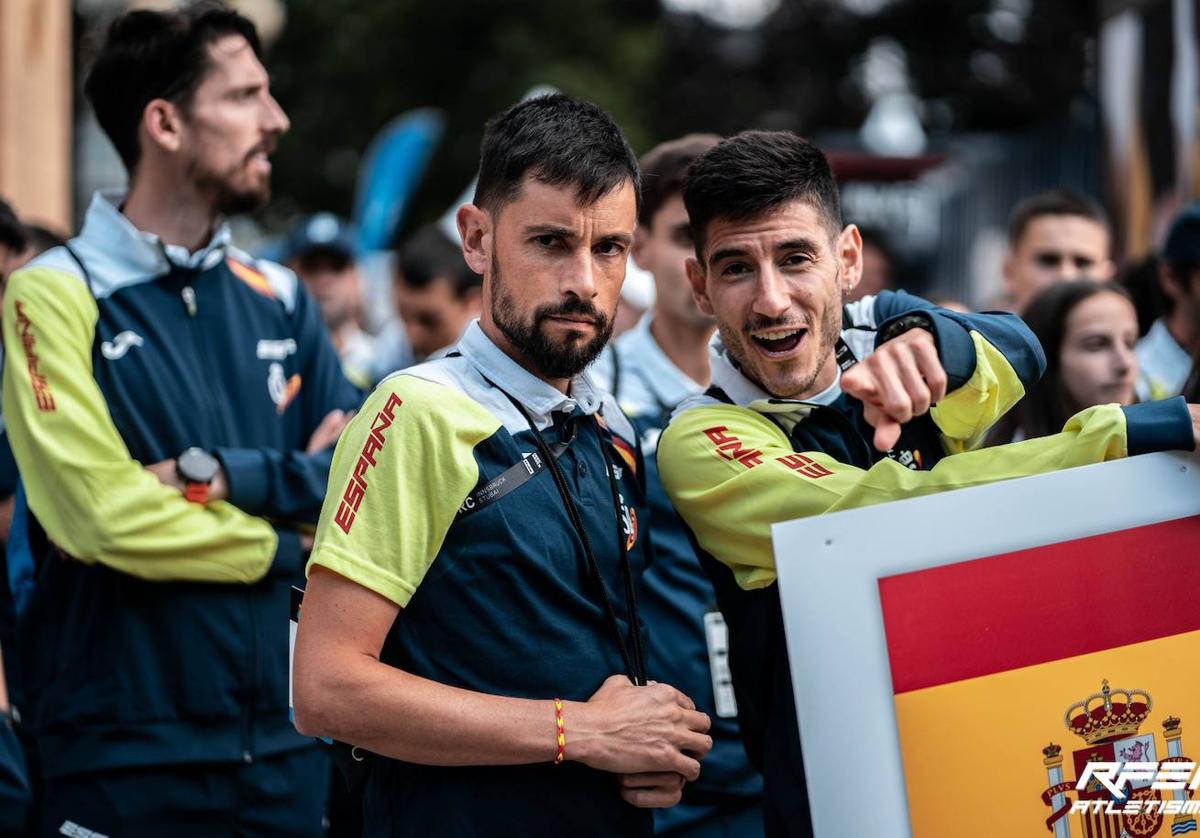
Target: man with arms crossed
(470,617)
(818,406)
(168,399)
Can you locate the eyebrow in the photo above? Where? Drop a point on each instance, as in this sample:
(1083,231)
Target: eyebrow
(567,233)
(805,244)
(620,238)
(727,253)
(808,245)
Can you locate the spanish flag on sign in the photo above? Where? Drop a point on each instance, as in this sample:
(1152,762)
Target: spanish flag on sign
(1012,673)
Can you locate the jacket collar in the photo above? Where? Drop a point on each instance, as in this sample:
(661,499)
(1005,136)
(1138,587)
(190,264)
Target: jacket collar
(728,376)
(117,252)
(542,400)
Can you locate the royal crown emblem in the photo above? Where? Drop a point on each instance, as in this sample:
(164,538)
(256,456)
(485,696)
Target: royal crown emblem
(1100,718)
(1109,723)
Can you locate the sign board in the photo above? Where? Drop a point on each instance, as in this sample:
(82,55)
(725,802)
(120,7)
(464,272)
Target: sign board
(961,661)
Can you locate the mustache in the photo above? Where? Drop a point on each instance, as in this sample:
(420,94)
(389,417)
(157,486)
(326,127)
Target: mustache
(573,306)
(265,147)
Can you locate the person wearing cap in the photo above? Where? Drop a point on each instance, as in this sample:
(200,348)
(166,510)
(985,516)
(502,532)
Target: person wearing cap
(172,403)
(1168,351)
(320,249)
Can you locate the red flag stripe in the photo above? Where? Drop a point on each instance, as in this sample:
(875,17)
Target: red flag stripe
(1047,603)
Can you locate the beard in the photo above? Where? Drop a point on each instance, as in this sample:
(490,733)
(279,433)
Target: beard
(227,198)
(550,359)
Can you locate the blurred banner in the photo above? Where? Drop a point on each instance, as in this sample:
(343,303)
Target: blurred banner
(1148,96)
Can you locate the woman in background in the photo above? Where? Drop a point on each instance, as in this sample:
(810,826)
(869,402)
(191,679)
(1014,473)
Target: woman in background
(1088,331)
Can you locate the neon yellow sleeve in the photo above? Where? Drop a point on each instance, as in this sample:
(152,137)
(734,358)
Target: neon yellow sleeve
(965,415)
(400,472)
(94,501)
(731,474)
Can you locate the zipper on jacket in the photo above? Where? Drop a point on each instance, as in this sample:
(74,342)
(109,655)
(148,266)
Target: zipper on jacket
(188,295)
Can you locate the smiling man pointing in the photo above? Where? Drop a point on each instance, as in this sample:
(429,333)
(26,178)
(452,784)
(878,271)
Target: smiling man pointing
(818,406)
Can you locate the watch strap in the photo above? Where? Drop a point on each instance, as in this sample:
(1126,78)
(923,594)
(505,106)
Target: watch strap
(196,492)
(905,323)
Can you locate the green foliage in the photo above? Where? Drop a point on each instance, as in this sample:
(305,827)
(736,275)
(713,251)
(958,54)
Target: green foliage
(344,68)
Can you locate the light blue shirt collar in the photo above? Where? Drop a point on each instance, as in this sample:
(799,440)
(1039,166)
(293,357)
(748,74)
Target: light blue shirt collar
(744,392)
(130,252)
(497,367)
(669,384)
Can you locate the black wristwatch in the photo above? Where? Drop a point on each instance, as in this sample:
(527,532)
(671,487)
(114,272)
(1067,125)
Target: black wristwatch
(197,468)
(905,323)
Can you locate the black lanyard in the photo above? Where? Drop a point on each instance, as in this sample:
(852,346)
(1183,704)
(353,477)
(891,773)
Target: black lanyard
(634,660)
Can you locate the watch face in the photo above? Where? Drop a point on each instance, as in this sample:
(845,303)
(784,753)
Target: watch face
(197,465)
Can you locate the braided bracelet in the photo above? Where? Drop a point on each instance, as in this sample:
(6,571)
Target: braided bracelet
(561,731)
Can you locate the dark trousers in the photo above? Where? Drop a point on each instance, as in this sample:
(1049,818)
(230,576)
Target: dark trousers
(279,795)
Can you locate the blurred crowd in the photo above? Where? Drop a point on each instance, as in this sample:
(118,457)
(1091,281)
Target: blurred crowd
(1111,333)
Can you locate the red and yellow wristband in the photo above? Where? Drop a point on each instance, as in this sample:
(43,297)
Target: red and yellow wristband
(560,732)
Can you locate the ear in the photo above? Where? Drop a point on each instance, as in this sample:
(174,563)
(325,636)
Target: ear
(162,125)
(849,244)
(698,277)
(1171,287)
(641,246)
(475,230)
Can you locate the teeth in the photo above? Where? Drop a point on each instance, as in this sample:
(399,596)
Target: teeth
(778,335)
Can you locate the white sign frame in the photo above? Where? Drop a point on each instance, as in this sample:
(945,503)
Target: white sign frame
(829,568)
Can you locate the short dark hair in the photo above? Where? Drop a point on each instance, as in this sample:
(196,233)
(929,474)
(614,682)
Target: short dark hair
(429,256)
(42,238)
(664,168)
(1053,202)
(750,174)
(13,234)
(151,55)
(559,141)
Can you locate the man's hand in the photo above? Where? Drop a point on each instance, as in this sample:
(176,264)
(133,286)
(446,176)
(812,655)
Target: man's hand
(1194,410)
(646,732)
(328,431)
(654,790)
(168,474)
(900,380)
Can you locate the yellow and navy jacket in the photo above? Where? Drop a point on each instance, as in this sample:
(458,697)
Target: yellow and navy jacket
(686,632)
(155,631)
(735,461)
(493,585)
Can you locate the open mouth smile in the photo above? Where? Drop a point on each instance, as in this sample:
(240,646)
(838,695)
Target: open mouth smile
(778,342)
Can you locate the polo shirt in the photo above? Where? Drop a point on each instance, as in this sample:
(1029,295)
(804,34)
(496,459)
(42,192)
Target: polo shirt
(495,596)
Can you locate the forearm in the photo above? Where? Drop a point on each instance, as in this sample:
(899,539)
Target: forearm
(284,485)
(394,713)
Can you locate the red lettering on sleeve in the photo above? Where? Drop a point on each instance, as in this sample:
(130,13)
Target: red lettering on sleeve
(41,387)
(356,486)
(804,465)
(729,447)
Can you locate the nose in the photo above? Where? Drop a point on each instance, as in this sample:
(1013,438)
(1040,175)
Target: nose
(277,121)
(771,299)
(579,275)
(1124,361)
(1068,270)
